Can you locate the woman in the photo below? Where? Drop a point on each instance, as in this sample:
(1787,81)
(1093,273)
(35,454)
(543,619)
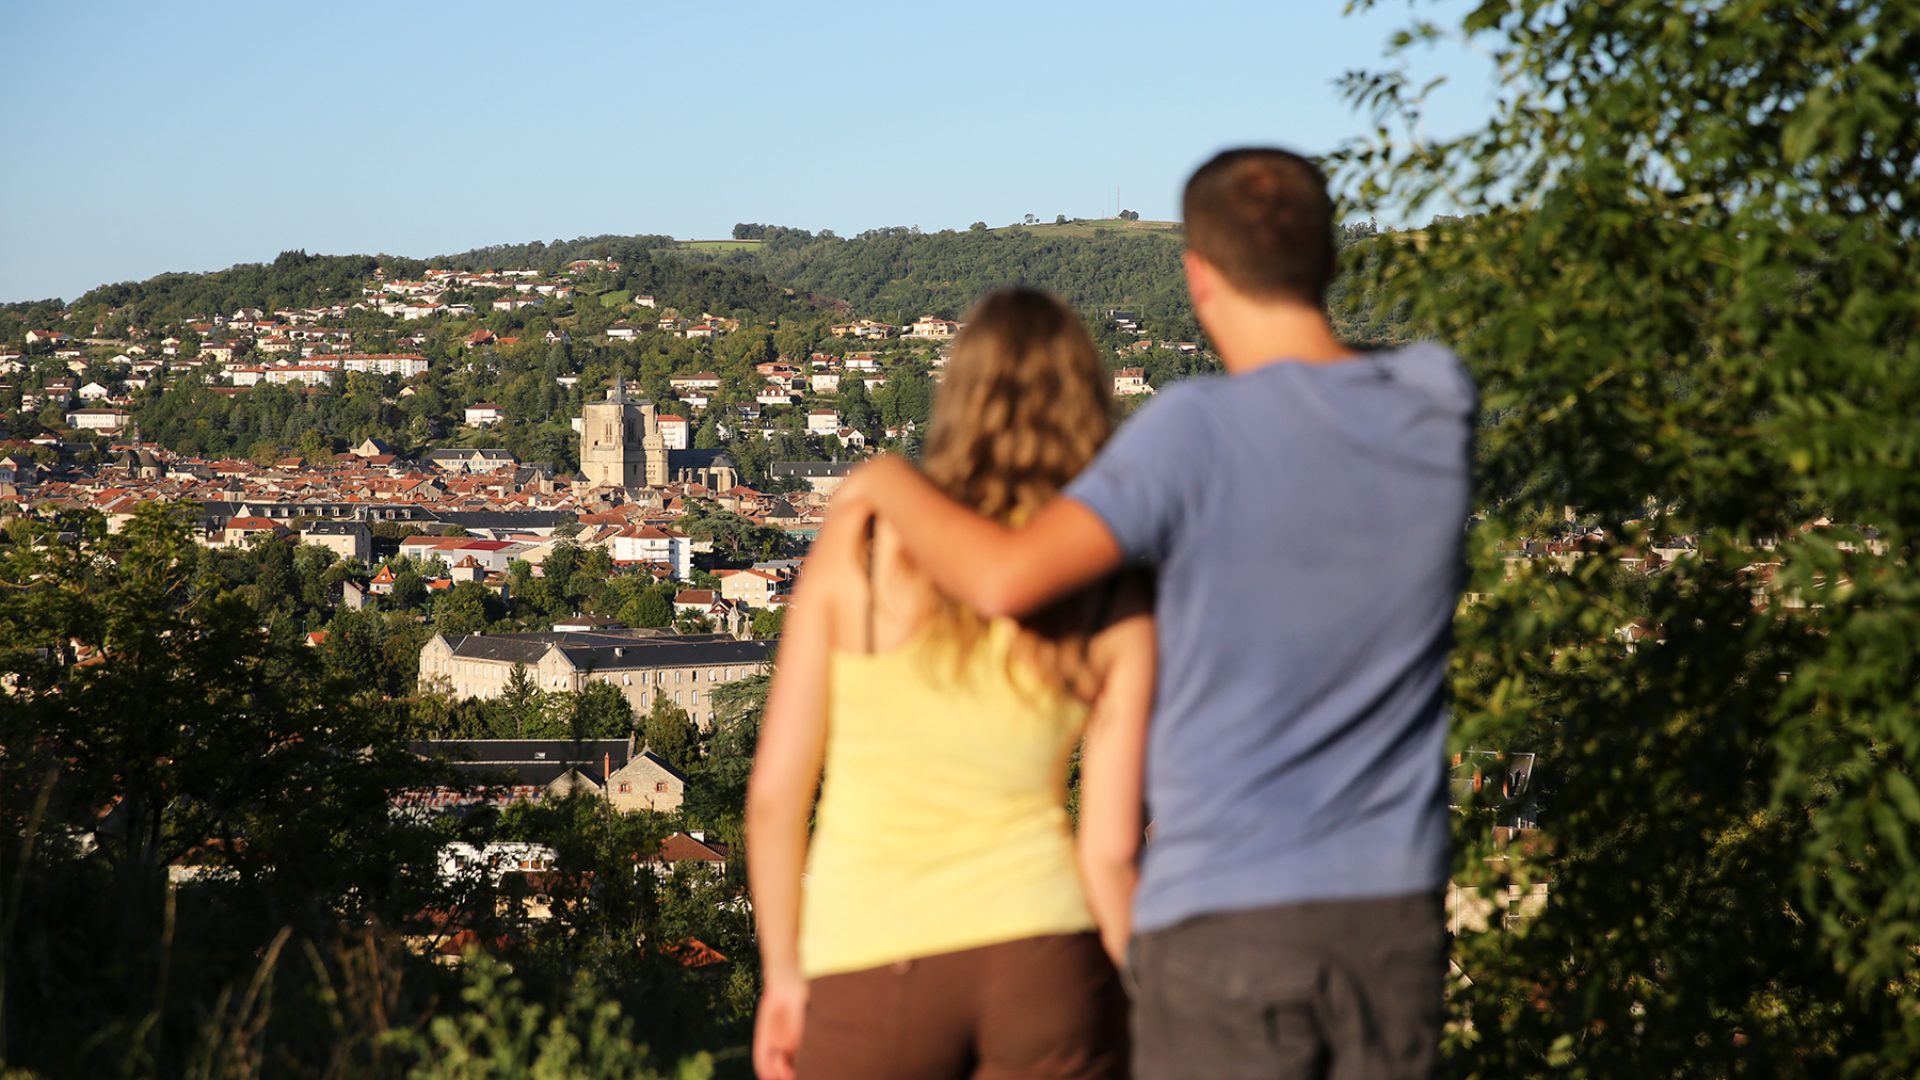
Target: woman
(947,923)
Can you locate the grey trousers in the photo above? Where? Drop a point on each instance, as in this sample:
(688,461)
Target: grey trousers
(1330,990)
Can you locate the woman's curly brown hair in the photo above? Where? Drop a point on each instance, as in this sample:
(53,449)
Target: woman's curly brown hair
(1025,405)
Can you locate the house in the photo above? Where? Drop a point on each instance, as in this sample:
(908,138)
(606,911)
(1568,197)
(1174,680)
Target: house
(823,421)
(674,431)
(702,330)
(483,413)
(646,782)
(774,396)
(382,583)
(107,420)
(481,338)
(704,380)
(927,327)
(695,848)
(469,461)
(821,477)
(851,438)
(241,530)
(347,539)
(755,588)
(622,331)
(693,602)
(653,544)
(1130,382)
(93,391)
(492,556)
(824,382)
(863,329)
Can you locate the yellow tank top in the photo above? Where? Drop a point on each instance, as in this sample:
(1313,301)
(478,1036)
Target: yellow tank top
(942,822)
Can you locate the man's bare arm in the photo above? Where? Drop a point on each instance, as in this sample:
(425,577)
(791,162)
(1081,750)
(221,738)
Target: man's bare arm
(994,569)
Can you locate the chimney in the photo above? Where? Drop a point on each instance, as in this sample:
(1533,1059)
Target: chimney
(606,766)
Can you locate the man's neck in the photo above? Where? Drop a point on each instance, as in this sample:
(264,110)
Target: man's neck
(1252,336)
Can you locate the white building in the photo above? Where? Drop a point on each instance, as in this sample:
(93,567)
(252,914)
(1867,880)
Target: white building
(404,365)
(97,419)
(650,543)
(674,432)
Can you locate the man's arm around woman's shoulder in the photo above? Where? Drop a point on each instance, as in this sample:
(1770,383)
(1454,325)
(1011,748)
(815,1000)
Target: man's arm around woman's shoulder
(993,568)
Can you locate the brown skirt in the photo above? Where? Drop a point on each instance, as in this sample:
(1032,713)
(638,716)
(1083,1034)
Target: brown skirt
(1038,1007)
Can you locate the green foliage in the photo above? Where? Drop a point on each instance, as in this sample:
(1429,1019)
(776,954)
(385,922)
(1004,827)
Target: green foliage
(717,789)
(900,274)
(668,731)
(767,622)
(735,537)
(206,876)
(1687,290)
(503,1034)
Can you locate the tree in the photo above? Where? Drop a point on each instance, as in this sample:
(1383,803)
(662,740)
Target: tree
(188,740)
(1683,274)
(767,622)
(717,791)
(978,226)
(668,731)
(855,410)
(648,609)
(409,591)
(707,437)
(463,609)
(600,711)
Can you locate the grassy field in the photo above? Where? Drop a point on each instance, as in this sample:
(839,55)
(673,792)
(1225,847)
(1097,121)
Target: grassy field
(1168,229)
(719,245)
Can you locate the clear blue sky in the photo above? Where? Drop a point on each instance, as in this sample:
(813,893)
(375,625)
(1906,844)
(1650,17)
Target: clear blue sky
(140,137)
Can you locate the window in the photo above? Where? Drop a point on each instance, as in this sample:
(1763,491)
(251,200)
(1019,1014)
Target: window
(626,789)
(676,698)
(676,676)
(660,786)
(626,680)
(696,697)
(713,676)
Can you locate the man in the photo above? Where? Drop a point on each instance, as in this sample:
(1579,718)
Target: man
(1305,515)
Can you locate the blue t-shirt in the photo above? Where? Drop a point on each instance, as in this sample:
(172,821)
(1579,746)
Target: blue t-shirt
(1307,524)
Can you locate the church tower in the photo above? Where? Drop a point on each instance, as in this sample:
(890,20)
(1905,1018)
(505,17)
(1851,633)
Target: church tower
(620,442)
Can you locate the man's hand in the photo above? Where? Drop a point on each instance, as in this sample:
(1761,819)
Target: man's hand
(777,1027)
(864,489)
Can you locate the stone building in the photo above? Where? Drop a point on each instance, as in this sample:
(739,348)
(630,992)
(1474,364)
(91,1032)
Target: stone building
(622,445)
(684,668)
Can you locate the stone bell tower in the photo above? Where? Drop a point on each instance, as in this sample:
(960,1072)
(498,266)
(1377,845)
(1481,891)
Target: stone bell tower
(620,442)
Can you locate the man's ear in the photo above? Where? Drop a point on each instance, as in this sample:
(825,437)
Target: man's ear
(1200,277)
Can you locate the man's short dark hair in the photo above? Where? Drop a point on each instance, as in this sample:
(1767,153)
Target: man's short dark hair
(1264,219)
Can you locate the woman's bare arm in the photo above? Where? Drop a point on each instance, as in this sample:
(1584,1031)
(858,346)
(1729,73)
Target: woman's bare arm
(780,794)
(1112,769)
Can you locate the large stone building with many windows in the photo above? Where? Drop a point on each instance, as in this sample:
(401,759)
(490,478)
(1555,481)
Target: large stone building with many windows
(684,668)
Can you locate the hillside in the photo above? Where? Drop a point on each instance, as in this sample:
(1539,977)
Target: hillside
(898,274)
